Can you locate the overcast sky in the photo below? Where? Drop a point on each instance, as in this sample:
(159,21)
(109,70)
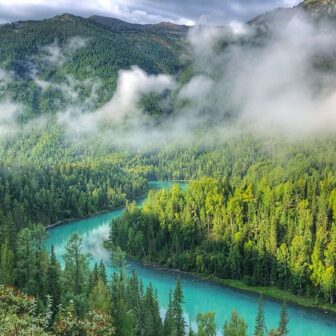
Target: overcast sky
(142,11)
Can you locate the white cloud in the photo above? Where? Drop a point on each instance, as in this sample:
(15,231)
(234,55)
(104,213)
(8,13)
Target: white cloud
(122,9)
(5,78)
(142,11)
(272,88)
(55,55)
(132,85)
(8,113)
(123,107)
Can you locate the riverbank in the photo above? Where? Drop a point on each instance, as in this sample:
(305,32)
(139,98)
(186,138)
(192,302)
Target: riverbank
(274,293)
(71,220)
(101,212)
(152,185)
(270,292)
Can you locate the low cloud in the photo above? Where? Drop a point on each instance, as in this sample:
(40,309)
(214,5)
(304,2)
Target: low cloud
(270,85)
(123,108)
(279,83)
(55,55)
(9,111)
(143,11)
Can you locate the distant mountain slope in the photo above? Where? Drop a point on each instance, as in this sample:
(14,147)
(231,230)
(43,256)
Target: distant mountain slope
(166,28)
(317,9)
(320,6)
(81,57)
(45,49)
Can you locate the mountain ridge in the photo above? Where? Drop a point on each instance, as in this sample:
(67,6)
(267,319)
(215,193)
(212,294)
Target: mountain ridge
(168,28)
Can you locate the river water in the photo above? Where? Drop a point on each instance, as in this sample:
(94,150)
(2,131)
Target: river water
(200,296)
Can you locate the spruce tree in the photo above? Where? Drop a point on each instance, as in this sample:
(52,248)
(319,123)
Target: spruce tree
(284,319)
(54,282)
(179,322)
(102,271)
(76,274)
(168,324)
(6,264)
(260,326)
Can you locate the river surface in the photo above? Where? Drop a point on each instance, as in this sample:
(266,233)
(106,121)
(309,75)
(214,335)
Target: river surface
(200,296)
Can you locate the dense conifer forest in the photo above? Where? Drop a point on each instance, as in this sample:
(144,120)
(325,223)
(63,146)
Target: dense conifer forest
(259,207)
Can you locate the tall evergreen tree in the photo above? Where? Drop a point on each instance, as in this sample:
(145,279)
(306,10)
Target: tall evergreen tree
(168,325)
(178,301)
(75,274)
(102,271)
(284,319)
(260,326)
(54,282)
(6,264)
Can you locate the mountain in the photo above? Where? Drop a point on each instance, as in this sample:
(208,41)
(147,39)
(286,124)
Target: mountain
(165,28)
(326,7)
(71,48)
(54,60)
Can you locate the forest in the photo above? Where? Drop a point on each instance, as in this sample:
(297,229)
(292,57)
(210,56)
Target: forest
(79,301)
(260,204)
(271,222)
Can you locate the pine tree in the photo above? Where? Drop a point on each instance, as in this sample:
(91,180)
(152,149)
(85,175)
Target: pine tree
(179,322)
(191,332)
(6,264)
(75,274)
(135,298)
(100,299)
(168,325)
(260,326)
(284,319)
(102,271)
(54,282)
(151,312)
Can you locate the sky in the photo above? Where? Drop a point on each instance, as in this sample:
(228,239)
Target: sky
(187,12)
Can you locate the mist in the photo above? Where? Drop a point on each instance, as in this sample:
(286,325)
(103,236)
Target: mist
(271,85)
(266,78)
(242,83)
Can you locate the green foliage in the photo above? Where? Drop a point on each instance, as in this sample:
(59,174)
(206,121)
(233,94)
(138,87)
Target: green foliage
(75,275)
(99,300)
(19,314)
(236,326)
(32,262)
(38,192)
(54,289)
(206,324)
(83,50)
(284,319)
(94,324)
(268,222)
(177,308)
(282,330)
(6,264)
(260,326)
(118,258)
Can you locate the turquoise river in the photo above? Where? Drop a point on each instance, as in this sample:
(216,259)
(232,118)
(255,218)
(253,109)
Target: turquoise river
(200,296)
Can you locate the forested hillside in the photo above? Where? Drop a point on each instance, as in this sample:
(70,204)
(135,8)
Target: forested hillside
(267,222)
(82,53)
(93,109)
